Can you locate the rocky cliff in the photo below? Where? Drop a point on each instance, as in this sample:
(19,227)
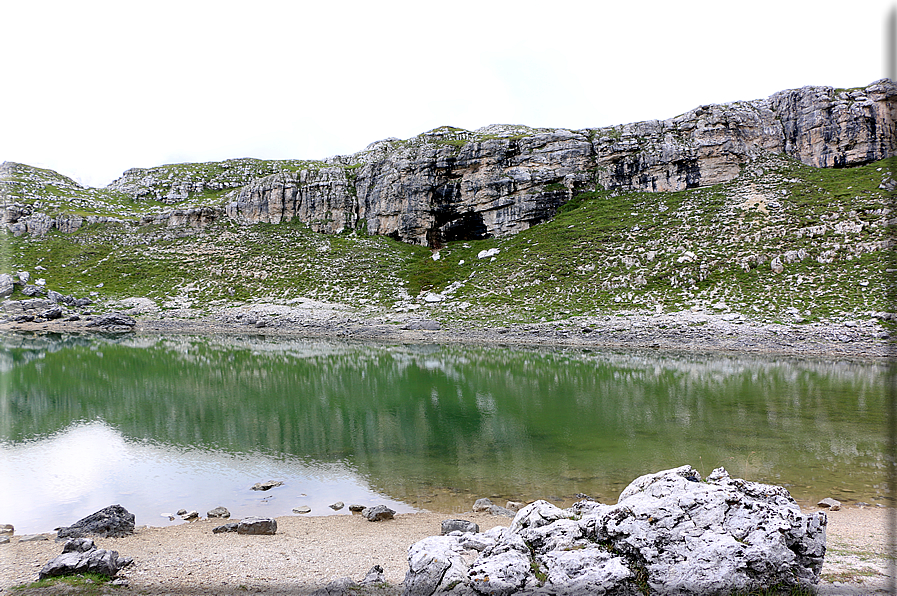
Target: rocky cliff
(452,184)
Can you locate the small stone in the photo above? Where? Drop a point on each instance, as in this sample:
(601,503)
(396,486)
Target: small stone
(374,576)
(357,508)
(482,505)
(499,510)
(218,512)
(190,515)
(33,538)
(514,506)
(830,503)
(337,506)
(4,539)
(182,512)
(378,513)
(7,529)
(459,525)
(302,509)
(79,545)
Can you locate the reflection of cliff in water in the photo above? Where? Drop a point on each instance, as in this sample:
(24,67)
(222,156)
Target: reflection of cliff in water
(425,420)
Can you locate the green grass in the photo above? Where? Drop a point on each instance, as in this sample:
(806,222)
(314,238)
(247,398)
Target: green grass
(87,584)
(604,252)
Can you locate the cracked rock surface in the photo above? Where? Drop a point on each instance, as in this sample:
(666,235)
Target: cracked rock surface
(670,532)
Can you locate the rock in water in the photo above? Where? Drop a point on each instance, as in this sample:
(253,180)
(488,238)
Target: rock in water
(833,504)
(111,522)
(669,532)
(218,512)
(267,485)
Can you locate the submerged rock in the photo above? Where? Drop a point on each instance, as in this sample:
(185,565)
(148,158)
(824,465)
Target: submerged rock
(669,533)
(267,485)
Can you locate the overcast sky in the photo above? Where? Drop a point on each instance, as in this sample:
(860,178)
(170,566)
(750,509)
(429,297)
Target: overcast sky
(92,88)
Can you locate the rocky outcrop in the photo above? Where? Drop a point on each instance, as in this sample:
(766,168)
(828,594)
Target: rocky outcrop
(450,184)
(669,533)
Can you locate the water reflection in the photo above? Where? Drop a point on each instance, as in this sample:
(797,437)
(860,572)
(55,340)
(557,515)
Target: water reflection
(437,426)
(90,465)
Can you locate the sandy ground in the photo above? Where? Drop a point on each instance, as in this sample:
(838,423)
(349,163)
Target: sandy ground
(309,552)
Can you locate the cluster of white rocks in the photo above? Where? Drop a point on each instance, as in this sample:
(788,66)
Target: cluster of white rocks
(669,533)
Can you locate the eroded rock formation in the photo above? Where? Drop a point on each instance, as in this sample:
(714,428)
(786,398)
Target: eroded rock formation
(452,184)
(669,533)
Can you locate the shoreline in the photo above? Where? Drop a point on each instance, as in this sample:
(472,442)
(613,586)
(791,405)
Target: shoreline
(691,331)
(306,553)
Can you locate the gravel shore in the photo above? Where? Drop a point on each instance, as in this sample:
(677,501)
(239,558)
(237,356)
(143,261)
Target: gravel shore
(863,337)
(309,552)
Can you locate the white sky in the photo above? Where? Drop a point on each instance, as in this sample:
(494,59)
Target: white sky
(92,88)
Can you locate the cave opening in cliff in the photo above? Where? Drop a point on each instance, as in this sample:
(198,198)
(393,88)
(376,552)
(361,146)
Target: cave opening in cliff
(468,226)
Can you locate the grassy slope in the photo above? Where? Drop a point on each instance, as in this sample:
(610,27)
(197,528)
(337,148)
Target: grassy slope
(603,253)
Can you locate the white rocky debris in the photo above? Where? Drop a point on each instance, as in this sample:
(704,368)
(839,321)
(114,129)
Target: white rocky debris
(670,532)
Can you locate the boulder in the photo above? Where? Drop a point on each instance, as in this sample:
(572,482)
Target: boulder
(356,508)
(669,533)
(218,512)
(257,525)
(80,555)
(231,527)
(112,320)
(378,513)
(52,314)
(337,506)
(110,522)
(33,291)
(6,285)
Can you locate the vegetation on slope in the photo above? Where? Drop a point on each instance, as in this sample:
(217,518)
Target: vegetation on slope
(783,241)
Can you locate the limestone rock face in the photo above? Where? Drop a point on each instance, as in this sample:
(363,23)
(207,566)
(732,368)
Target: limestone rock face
(449,184)
(452,184)
(670,532)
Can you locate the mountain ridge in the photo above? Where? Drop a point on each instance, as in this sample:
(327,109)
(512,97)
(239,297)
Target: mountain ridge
(778,241)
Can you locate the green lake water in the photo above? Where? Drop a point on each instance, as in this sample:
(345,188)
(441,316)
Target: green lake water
(157,424)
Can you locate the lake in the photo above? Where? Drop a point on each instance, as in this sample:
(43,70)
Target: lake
(158,424)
